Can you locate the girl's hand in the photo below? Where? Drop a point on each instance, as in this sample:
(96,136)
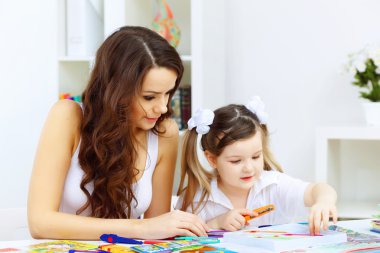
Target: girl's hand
(321,212)
(174,223)
(234,219)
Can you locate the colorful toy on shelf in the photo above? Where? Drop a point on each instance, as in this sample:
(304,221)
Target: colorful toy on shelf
(165,25)
(77,98)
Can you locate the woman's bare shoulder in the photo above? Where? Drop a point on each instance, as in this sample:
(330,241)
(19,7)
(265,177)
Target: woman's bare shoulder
(67,110)
(67,115)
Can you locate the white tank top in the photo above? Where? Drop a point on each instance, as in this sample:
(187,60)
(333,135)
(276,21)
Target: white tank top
(73,197)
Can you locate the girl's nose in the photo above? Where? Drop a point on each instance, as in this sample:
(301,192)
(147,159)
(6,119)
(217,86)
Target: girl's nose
(249,166)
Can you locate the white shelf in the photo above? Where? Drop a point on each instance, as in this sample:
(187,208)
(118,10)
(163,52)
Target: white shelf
(185,58)
(349,133)
(348,159)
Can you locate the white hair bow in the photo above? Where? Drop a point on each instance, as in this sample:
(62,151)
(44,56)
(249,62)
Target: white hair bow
(201,120)
(257,106)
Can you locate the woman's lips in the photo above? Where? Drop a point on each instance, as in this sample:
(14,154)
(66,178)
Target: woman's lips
(152,119)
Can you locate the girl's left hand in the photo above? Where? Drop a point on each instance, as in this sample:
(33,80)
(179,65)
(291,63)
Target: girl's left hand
(321,212)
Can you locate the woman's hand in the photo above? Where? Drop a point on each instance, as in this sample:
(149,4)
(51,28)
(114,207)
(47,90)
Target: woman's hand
(321,212)
(174,223)
(232,220)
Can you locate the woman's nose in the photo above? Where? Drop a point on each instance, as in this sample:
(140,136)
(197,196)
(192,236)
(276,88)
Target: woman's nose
(161,107)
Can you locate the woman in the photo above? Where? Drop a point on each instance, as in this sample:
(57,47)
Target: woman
(103,164)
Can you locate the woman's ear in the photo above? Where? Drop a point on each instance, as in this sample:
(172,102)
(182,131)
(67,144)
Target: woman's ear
(211,158)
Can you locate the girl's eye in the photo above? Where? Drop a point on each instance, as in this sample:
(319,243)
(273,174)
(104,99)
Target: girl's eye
(235,162)
(148,98)
(256,157)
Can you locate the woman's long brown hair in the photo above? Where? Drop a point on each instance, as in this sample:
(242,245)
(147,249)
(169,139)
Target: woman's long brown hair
(107,153)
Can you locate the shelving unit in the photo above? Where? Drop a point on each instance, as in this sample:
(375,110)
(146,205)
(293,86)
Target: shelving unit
(348,159)
(73,71)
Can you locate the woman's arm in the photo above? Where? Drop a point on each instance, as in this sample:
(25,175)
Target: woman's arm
(164,172)
(321,197)
(158,215)
(59,139)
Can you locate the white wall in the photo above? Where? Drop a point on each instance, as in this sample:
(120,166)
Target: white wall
(27,80)
(213,54)
(290,53)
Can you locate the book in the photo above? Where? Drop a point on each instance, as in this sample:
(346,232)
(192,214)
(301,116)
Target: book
(176,107)
(284,237)
(354,236)
(185,102)
(356,242)
(61,246)
(345,247)
(375,224)
(167,246)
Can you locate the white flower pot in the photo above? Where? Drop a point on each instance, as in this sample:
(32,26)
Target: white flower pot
(372,113)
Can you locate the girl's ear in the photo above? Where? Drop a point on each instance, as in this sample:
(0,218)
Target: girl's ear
(211,158)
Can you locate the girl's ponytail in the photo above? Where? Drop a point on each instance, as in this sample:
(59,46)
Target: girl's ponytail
(193,171)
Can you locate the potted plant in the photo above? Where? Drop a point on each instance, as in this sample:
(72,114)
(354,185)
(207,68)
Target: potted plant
(365,67)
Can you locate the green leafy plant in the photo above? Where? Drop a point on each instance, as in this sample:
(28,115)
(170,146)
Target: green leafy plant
(365,65)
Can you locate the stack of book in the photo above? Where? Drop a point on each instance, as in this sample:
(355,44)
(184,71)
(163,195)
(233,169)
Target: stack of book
(181,105)
(376,223)
(375,226)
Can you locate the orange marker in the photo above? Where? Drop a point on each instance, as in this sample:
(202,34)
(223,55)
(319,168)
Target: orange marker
(261,211)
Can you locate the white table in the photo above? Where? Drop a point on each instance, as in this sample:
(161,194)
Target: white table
(362,226)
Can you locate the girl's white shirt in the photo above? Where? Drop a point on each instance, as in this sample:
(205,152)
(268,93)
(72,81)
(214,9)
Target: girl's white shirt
(273,187)
(73,197)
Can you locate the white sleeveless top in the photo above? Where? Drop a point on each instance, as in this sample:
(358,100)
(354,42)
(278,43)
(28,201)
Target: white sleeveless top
(73,197)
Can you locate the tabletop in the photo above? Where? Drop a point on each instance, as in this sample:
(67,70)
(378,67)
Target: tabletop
(362,226)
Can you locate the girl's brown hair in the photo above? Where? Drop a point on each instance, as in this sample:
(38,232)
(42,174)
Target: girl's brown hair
(231,123)
(107,151)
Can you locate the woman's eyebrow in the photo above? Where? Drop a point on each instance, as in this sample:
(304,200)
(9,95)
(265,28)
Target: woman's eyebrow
(150,91)
(157,92)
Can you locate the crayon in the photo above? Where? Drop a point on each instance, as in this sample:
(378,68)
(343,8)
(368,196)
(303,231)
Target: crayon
(261,211)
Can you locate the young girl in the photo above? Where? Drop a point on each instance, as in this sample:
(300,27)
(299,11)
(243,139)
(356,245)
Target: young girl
(245,176)
(103,164)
